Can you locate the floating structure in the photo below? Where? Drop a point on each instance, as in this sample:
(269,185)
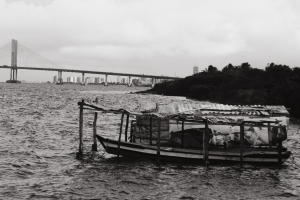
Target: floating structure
(198,132)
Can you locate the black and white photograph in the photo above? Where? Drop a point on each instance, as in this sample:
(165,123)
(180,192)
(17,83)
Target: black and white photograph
(150,99)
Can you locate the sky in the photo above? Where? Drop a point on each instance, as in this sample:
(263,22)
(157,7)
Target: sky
(155,37)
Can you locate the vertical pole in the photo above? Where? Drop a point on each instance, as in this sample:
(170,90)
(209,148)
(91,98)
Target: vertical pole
(79,154)
(158,141)
(121,126)
(10,73)
(130,133)
(279,147)
(241,143)
(205,144)
(94,146)
(182,133)
(16,74)
(270,137)
(126,127)
(150,130)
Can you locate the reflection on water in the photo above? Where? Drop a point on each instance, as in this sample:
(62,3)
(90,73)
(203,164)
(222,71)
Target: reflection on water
(39,139)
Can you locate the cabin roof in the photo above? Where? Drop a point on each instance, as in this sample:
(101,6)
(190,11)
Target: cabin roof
(197,109)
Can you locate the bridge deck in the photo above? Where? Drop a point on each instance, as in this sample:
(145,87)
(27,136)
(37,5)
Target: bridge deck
(92,72)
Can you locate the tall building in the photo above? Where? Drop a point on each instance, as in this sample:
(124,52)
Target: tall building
(195,70)
(92,79)
(55,79)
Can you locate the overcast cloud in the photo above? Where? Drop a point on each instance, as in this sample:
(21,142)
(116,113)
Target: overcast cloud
(153,37)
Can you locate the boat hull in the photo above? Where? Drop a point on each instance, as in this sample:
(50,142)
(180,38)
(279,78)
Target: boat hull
(128,149)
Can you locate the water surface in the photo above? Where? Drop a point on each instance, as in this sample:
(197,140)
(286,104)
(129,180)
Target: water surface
(39,140)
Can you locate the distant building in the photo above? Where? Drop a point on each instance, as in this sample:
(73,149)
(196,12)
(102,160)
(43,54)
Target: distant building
(78,80)
(195,70)
(55,79)
(102,80)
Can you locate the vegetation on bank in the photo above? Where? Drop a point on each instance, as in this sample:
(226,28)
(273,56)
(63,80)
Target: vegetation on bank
(242,85)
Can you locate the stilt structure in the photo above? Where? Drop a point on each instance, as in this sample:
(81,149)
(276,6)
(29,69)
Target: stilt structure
(14,56)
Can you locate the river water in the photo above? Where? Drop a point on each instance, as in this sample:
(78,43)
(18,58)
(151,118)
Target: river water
(39,140)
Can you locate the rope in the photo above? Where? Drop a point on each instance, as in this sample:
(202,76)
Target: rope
(293,160)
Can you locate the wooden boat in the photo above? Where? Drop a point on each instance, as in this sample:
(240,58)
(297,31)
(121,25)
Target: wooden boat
(129,149)
(200,133)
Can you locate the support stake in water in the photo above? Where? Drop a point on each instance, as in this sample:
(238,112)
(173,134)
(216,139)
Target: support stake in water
(79,153)
(158,142)
(94,146)
(121,126)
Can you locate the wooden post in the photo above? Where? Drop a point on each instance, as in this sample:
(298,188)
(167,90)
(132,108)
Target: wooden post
(122,117)
(158,141)
(131,130)
(270,136)
(279,147)
(79,154)
(205,144)
(94,146)
(150,130)
(126,127)
(182,134)
(242,143)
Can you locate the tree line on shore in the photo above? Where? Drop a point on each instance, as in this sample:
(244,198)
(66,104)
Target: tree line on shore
(240,85)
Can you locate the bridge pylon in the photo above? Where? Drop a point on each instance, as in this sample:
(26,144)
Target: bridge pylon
(60,79)
(14,69)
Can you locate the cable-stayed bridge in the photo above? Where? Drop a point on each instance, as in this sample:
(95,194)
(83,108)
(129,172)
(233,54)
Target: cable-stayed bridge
(15,56)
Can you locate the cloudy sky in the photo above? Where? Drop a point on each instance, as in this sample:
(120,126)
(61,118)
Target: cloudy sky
(154,37)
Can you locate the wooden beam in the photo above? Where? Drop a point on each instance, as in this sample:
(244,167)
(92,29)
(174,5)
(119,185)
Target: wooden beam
(205,144)
(158,143)
(126,127)
(150,130)
(94,146)
(79,154)
(121,126)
